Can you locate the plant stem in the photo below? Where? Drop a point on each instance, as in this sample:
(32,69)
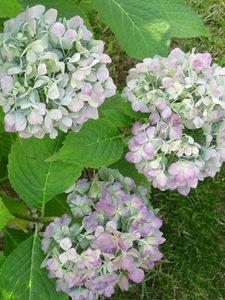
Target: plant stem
(31,219)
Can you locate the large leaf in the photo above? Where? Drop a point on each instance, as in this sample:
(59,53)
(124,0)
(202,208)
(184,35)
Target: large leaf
(97,144)
(16,207)
(145,27)
(66,9)
(119,111)
(6,140)
(22,278)
(34,179)
(3,170)
(117,118)
(12,238)
(2,259)
(5,215)
(9,8)
(182,20)
(87,5)
(57,206)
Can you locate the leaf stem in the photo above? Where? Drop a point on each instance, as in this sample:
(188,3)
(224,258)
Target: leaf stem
(31,219)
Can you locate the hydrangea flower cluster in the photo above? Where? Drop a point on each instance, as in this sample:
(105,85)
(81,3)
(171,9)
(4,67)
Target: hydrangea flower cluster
(117,241)
(53,74)
(183,141)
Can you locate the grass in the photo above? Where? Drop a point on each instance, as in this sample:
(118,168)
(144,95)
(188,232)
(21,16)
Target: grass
(194,253)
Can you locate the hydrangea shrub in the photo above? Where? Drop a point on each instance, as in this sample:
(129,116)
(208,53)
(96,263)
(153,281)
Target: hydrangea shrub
(53,74)
(117,241)
(102,235)
(183,141)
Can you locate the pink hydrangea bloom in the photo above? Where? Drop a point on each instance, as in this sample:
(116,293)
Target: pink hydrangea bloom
(184,95)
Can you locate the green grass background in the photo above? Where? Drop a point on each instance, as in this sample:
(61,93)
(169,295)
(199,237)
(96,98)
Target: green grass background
(193,267)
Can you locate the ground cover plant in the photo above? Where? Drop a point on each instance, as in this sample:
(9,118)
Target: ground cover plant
(91,160)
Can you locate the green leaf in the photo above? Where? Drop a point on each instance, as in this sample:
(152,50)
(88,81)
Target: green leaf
(57,206)
(139,34)
(2,259)
(118,119)
(97,144)
(222,62)
(66,9)
(183,21)
(118,111)
(121,105)
(87,5)
(9,8)
(144,28)
(16,207)
(3,170)
(5,215)
(128,169)
(34,179)
(6,140)
(21,276)
(19,210)
(12,238)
